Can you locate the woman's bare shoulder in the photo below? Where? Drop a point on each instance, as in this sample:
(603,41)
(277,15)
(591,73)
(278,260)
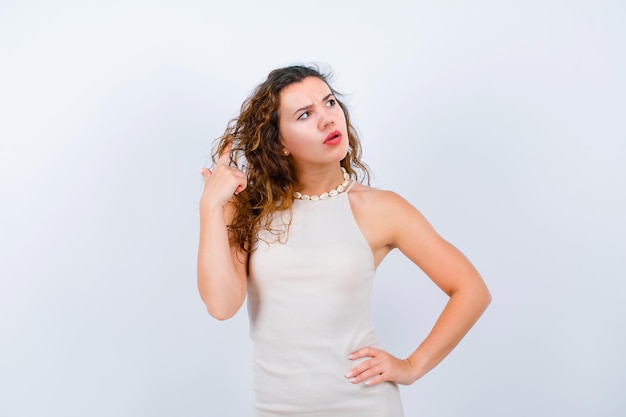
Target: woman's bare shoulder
(387,207)
(364,194)
(385,217)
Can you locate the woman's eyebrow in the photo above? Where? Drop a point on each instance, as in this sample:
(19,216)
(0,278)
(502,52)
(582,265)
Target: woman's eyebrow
(326,97)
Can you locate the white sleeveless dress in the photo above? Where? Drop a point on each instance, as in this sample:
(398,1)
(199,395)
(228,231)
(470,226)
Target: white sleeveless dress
(309,307)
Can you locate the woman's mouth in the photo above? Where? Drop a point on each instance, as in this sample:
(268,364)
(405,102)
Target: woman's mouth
(333,138)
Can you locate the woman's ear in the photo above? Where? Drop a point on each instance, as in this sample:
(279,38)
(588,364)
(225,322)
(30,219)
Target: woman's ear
(284,151)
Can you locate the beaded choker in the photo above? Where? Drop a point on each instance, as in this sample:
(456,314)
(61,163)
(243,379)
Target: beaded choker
(342,187)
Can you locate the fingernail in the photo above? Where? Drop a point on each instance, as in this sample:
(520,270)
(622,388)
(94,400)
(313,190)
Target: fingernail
(351,356)
(368,382)
(348,374)
(352,380)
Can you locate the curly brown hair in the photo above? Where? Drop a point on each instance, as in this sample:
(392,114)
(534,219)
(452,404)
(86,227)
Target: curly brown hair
(256,150)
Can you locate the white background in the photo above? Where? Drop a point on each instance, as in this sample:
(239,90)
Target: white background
(502,121)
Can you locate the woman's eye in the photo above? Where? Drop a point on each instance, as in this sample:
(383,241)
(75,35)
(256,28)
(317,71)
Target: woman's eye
(304,115)
(331,102)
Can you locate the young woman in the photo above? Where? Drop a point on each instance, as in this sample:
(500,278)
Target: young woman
(285,220)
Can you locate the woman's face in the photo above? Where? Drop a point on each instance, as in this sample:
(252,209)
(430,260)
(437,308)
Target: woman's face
(312,125)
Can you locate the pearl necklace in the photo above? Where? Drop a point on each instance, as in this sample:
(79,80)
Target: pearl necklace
(342,187)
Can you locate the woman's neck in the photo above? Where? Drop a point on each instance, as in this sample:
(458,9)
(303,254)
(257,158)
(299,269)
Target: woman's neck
(319,181)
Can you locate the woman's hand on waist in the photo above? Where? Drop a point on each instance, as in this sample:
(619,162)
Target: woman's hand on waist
(380,367)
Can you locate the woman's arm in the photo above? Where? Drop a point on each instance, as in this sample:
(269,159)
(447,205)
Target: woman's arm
(222,268)
(450,270)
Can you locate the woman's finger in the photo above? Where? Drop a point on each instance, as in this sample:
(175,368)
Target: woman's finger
(377,379)
(373,370)
(358,370)
(224,158)
(364,353)
(241,187)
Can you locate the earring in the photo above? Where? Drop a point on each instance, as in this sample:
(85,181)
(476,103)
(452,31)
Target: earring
(285,152)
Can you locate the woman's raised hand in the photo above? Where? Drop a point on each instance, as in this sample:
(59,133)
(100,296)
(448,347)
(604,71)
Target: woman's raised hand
(223,182)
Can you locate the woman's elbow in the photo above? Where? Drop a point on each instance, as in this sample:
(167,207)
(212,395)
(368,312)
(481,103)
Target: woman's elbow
(221,314)
(223,308)
(485,298)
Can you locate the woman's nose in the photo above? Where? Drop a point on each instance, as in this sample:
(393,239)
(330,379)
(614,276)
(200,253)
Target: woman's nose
(326,121)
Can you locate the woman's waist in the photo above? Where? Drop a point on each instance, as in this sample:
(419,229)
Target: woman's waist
(307,347)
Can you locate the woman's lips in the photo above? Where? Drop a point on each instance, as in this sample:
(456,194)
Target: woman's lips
(333,138)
